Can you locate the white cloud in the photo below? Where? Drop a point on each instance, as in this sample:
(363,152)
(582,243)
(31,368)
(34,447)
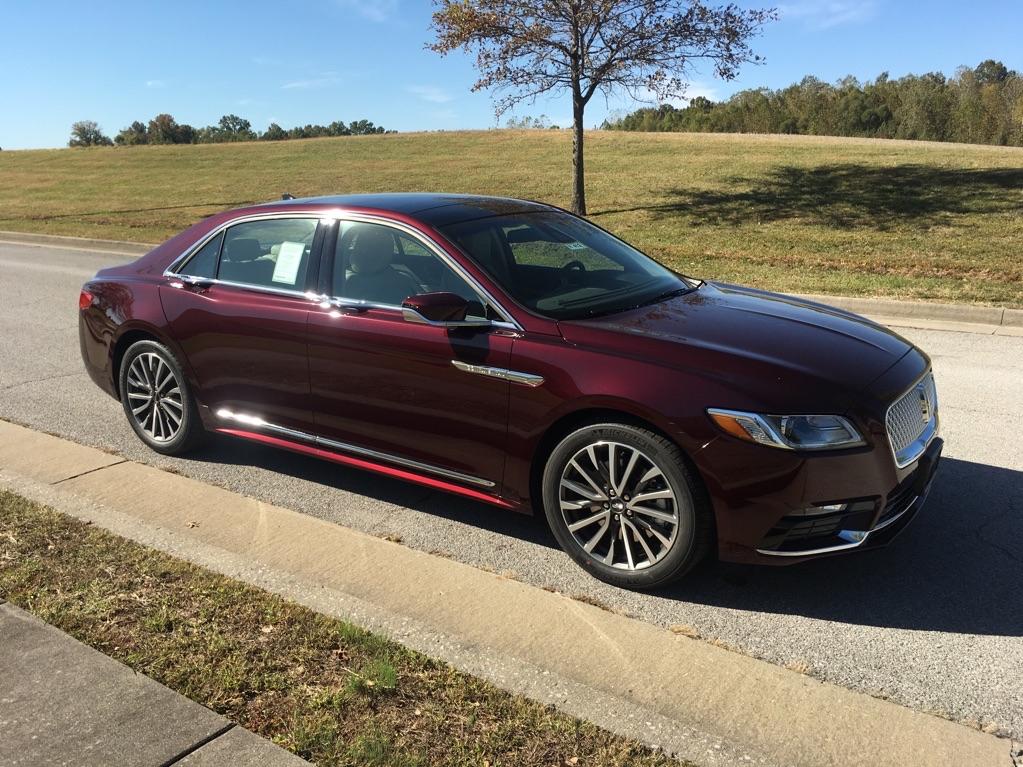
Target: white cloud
(373,10)
(826,14)
(322,80)
(431,93)
(155,83)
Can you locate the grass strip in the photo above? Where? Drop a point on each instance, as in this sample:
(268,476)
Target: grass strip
(325,689)
(800,214)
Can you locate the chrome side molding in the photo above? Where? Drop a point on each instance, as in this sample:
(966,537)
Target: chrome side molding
(258,423)
(514,376)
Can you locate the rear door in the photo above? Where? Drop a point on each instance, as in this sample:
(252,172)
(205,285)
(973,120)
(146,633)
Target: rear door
(239,309)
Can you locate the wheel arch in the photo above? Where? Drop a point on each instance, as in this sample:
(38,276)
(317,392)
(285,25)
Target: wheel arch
(134,333)
(577,419)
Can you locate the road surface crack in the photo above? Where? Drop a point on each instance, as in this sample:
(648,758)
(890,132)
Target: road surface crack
(44,379)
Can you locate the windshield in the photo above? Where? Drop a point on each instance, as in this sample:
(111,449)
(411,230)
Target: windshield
(562,267)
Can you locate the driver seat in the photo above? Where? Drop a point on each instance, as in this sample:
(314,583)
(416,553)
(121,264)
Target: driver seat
(372,277)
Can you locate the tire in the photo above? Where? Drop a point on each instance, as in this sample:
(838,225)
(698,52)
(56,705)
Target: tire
(647,542)
(149,369)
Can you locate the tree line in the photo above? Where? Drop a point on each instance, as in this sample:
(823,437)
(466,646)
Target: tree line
(164,129)
(983,105)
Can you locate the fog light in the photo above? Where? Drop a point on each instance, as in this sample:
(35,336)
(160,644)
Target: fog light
(853,536)
(815,511)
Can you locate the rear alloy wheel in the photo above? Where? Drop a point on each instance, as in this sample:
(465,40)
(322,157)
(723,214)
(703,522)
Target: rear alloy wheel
(622,503)
(157,400)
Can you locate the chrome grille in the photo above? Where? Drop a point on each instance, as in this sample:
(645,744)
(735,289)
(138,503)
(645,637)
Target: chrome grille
(912,421)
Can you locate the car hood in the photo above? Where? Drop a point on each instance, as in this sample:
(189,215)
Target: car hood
(738,333)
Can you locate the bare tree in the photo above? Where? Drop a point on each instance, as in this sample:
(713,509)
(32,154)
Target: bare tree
(527,48)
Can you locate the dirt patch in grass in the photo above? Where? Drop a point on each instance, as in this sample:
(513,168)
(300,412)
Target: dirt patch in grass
(322,688)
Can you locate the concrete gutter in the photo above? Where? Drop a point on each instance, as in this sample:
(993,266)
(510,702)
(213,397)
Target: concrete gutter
(705,703)
(966,318)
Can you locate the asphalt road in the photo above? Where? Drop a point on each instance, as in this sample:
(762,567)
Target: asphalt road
(934,621)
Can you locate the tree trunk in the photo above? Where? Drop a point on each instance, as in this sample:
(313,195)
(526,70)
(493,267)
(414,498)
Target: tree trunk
(578,182)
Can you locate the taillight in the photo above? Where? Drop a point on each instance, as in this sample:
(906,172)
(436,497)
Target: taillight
(85,299)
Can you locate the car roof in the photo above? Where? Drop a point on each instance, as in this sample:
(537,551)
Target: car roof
(434,208)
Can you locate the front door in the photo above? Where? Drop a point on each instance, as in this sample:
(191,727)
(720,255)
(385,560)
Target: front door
(242,321)
(389,386)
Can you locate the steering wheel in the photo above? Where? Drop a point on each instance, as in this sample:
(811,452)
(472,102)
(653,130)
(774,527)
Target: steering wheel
(572,271)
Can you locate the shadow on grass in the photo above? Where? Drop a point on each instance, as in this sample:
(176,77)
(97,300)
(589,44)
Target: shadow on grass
(849,196)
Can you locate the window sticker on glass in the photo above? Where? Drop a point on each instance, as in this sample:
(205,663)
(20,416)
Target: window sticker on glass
(575,246)
(289,259)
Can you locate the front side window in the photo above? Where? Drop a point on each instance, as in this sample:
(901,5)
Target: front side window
(272,253)
(562,267)
(378,264)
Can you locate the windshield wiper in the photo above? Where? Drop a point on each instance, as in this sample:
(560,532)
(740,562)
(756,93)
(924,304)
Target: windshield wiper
(666,295)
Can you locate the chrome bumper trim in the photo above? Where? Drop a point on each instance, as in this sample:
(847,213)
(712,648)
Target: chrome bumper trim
(852,534)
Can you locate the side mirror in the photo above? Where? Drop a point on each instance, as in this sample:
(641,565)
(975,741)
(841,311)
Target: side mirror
(439,309)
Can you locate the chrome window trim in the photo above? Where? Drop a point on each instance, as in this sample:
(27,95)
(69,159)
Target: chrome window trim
(177,263)
(509,322)
(921,443)
(258,423)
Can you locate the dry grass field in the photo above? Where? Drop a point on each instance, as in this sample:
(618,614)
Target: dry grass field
(916,220)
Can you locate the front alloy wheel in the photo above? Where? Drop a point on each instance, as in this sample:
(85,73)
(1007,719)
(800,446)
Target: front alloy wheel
(622,503)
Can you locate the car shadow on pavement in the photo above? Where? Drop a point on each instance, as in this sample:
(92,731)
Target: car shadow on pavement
(227,450)
(957,568)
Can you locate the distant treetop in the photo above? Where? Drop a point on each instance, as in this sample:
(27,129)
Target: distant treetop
(983,105)
(164,129)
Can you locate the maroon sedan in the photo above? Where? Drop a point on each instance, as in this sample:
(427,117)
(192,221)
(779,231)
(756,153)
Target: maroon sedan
(512,353)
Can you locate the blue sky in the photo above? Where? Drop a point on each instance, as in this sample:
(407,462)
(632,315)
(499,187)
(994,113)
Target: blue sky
(315,61)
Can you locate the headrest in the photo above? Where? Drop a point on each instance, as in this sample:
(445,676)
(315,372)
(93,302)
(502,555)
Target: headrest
(373,251)
(243,249)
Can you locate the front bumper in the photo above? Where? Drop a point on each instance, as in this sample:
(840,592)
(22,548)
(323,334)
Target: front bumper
(867,524)
(764,521)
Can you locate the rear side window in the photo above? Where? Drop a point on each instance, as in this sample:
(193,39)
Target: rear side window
(273,253)
(204,262)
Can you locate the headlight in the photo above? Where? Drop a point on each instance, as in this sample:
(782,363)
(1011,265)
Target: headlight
(791,432)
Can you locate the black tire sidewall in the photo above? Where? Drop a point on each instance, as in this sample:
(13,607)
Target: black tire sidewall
(684,554)
(191,427)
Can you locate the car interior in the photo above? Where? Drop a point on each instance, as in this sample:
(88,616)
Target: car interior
(380,265)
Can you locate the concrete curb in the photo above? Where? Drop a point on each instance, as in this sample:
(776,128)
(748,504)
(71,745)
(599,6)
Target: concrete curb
(923,310)
(904,313)
(77,243)
(626,674)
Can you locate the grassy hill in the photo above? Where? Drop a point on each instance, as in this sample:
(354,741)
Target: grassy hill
(800,214)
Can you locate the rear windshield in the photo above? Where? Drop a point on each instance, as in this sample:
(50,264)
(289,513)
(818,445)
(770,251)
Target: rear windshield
(562,267)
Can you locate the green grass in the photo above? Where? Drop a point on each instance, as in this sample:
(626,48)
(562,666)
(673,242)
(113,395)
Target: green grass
(793,213)
(325,689)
